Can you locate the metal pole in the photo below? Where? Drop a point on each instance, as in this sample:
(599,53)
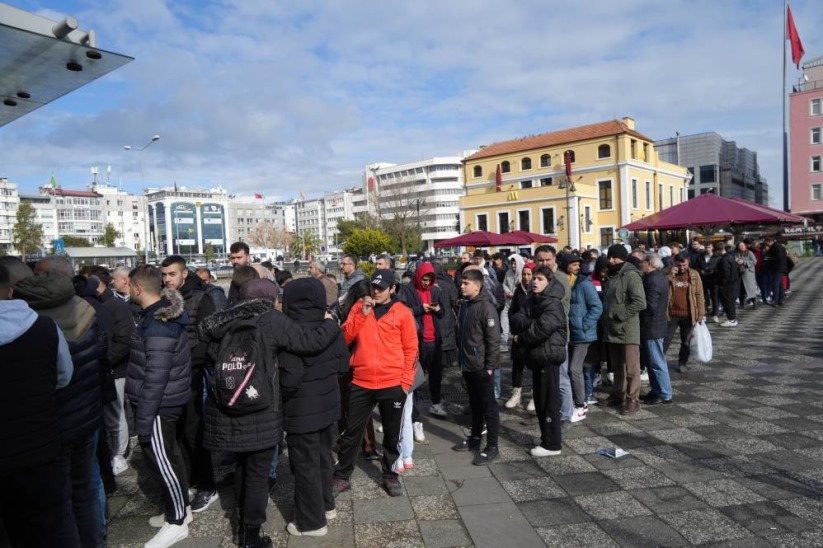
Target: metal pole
(786,190)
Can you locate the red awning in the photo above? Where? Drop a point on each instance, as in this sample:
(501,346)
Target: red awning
(523,237)
(711,210)
(478,238)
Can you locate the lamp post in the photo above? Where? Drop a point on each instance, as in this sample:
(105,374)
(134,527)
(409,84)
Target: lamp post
(568,185)
(146,232)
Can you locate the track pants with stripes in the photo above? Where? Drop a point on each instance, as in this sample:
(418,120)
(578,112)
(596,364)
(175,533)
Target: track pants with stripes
(165,461)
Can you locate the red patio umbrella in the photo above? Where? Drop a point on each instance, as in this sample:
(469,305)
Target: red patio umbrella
(478,238)
(524,237)
(785,217)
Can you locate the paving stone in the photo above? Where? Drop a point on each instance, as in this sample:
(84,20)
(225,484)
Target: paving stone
(496,525)
(444,534)
(808,509)
(793,441)
(586,484)
(663,500)
(605,463)
(677,435)
(584,446)
(508,471)
(642,531)
(778,486)
(704,450)
(580,534)
(533,489)
(798,540)
(638,477)
(735,466)
(426,485)
(705,526)
(748,445)
(759,428)
(384,509)
(725,492)
(392,533)
(564,464)
(434,507)
(682,472)
(615,505)
(766,518)
(477,491)
(790,461)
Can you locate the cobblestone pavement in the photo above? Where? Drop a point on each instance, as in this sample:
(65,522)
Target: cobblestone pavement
(737,460)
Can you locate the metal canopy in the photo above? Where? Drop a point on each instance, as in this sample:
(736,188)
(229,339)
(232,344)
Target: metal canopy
(36,67)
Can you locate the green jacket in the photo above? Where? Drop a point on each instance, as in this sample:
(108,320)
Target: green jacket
(624,301)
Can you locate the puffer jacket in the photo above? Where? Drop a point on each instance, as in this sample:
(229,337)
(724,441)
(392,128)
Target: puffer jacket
(624,301)
(654,319)
(159,373)
(264,429)
(448,298)
(542,327)
(585,309)
(199,306)
(478,329)
(311,393)
(79,404)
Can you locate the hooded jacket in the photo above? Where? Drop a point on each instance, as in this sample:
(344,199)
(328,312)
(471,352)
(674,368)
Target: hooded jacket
(35,362)
(513,277)
(585,308)
(199,306)
(542,327)
(79,405)
(123,327)
(654,318)
(624,300)
(478,327)
(431,295)
(448,300)
(159,372)
(311,393)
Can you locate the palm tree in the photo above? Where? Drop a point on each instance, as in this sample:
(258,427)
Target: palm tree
(304,245)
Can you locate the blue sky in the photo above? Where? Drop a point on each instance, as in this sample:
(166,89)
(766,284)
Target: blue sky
(276,96)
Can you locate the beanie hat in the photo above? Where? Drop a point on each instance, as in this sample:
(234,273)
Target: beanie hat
(618,251)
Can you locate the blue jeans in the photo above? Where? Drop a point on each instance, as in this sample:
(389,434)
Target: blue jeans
(75,465)
(566,399)
(588,378)
(100,491)
(653,357)
(275,460)
(496,376)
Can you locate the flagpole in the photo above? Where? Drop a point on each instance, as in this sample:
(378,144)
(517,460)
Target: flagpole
(786,190)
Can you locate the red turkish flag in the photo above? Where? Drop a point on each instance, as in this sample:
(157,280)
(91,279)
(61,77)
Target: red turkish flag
(794,38)
(498,177)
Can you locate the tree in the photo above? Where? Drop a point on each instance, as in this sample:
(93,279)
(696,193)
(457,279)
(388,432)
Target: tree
(110,235)
(27,233)
(267,236)
(208,251)
(400,209)
(346,227)
(74,241)
(367,241)
(304,245)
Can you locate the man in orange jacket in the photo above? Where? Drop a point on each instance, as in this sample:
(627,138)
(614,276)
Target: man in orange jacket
(384,337)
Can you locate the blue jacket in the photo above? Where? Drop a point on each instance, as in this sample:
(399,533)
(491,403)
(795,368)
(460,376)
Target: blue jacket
(585,309)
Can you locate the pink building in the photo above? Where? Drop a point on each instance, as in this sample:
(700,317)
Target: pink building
(806,142)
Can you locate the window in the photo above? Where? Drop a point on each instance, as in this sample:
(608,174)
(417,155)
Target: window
(817,192)
(606,236)
(648,195)
(660,195)
(483,222)
(478,171)
(815,136)
(681,195)
(633,149)
(645,157)
(505,167)
(503,222)
(816,163)
(605,188)
(707,174)
(524,220)
(526,184)
(546,181)
(604,151)
(546,160)
(671,195)
(587,219)
(571,156)
(547,216)
(525,164)
(817,107)
(634,194)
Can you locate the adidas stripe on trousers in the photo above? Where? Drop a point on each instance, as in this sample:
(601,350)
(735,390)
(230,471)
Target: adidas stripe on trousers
(165,460)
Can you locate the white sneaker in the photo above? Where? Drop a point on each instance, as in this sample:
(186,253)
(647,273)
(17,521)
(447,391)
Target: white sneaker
(729,323)
(644,376)
(437,410)
(168,535)
(578,414)
(160,519)
(379,429)
(399,466)
(715,319)
(293,530)
(540,451)
(514,401)
(331,514)
(119,465)
(610,376)
(530,407)
(419,436)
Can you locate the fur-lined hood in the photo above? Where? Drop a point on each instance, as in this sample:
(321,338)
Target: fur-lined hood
(215,325)
(175,308)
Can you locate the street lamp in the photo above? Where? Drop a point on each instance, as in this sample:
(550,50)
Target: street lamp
(568,185)
(154,139)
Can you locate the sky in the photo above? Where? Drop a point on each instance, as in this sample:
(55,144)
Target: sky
(274,97)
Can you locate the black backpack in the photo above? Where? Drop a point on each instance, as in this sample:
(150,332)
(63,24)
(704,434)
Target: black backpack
(245,375)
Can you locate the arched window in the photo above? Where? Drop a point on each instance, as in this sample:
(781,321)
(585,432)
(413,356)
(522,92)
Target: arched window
(478,171)
(546,160)
(604,151)
(505,167)
(525,163)
(571,156)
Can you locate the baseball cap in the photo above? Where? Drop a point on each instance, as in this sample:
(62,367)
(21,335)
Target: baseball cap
(383,278)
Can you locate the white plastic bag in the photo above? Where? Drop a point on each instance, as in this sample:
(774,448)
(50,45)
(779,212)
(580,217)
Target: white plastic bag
(700,343)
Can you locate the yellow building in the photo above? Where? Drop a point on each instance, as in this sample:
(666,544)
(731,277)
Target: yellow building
(616,178)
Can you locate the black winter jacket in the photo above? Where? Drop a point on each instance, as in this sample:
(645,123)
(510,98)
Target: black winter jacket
(478,328)
(707,269)
(448,300)
(542,326)
(120,341)
(78,404)
(653,320)
(727,272)
(311,393)
(159,373)
(256,431)
(777,259)
(199,306)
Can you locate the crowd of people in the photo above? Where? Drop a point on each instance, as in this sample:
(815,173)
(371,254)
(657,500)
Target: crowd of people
(162,361)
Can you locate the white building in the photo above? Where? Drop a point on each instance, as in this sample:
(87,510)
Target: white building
(78,213)
(45,215)
(338,205)
(126,213)
(182,221)
(9,201)
(311,218)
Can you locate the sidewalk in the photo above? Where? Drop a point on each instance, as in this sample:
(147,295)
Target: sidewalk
(737,460)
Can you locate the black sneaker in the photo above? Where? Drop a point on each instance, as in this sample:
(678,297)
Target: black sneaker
(486,456)
(340,485)
(373,455)
(467,444)
(393,487)
(203,499)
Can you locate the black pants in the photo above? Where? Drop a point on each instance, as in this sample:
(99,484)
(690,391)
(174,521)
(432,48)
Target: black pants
(518,363)
(710,292)
(197,458)
(166,464)
(480,386)
(311,465)
(685,326)
(432,364)
(75,463)
(546,388)
(728,298)
(390,402)
(35,506)
(251,484)
(778,293)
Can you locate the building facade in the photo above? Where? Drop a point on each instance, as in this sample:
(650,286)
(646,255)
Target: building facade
(615,174)
(126,213)
(46,215)
(338,205)
(717,166)
(182,221)
(78,212)
(806,138)
(9,202)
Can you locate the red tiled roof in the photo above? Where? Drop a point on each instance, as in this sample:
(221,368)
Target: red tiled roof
(554,138)
(74,193)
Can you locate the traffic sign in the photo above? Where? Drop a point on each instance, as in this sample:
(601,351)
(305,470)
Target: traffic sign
(59,248)
(623,234)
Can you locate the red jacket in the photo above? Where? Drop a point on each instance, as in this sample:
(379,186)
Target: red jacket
(385,351)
